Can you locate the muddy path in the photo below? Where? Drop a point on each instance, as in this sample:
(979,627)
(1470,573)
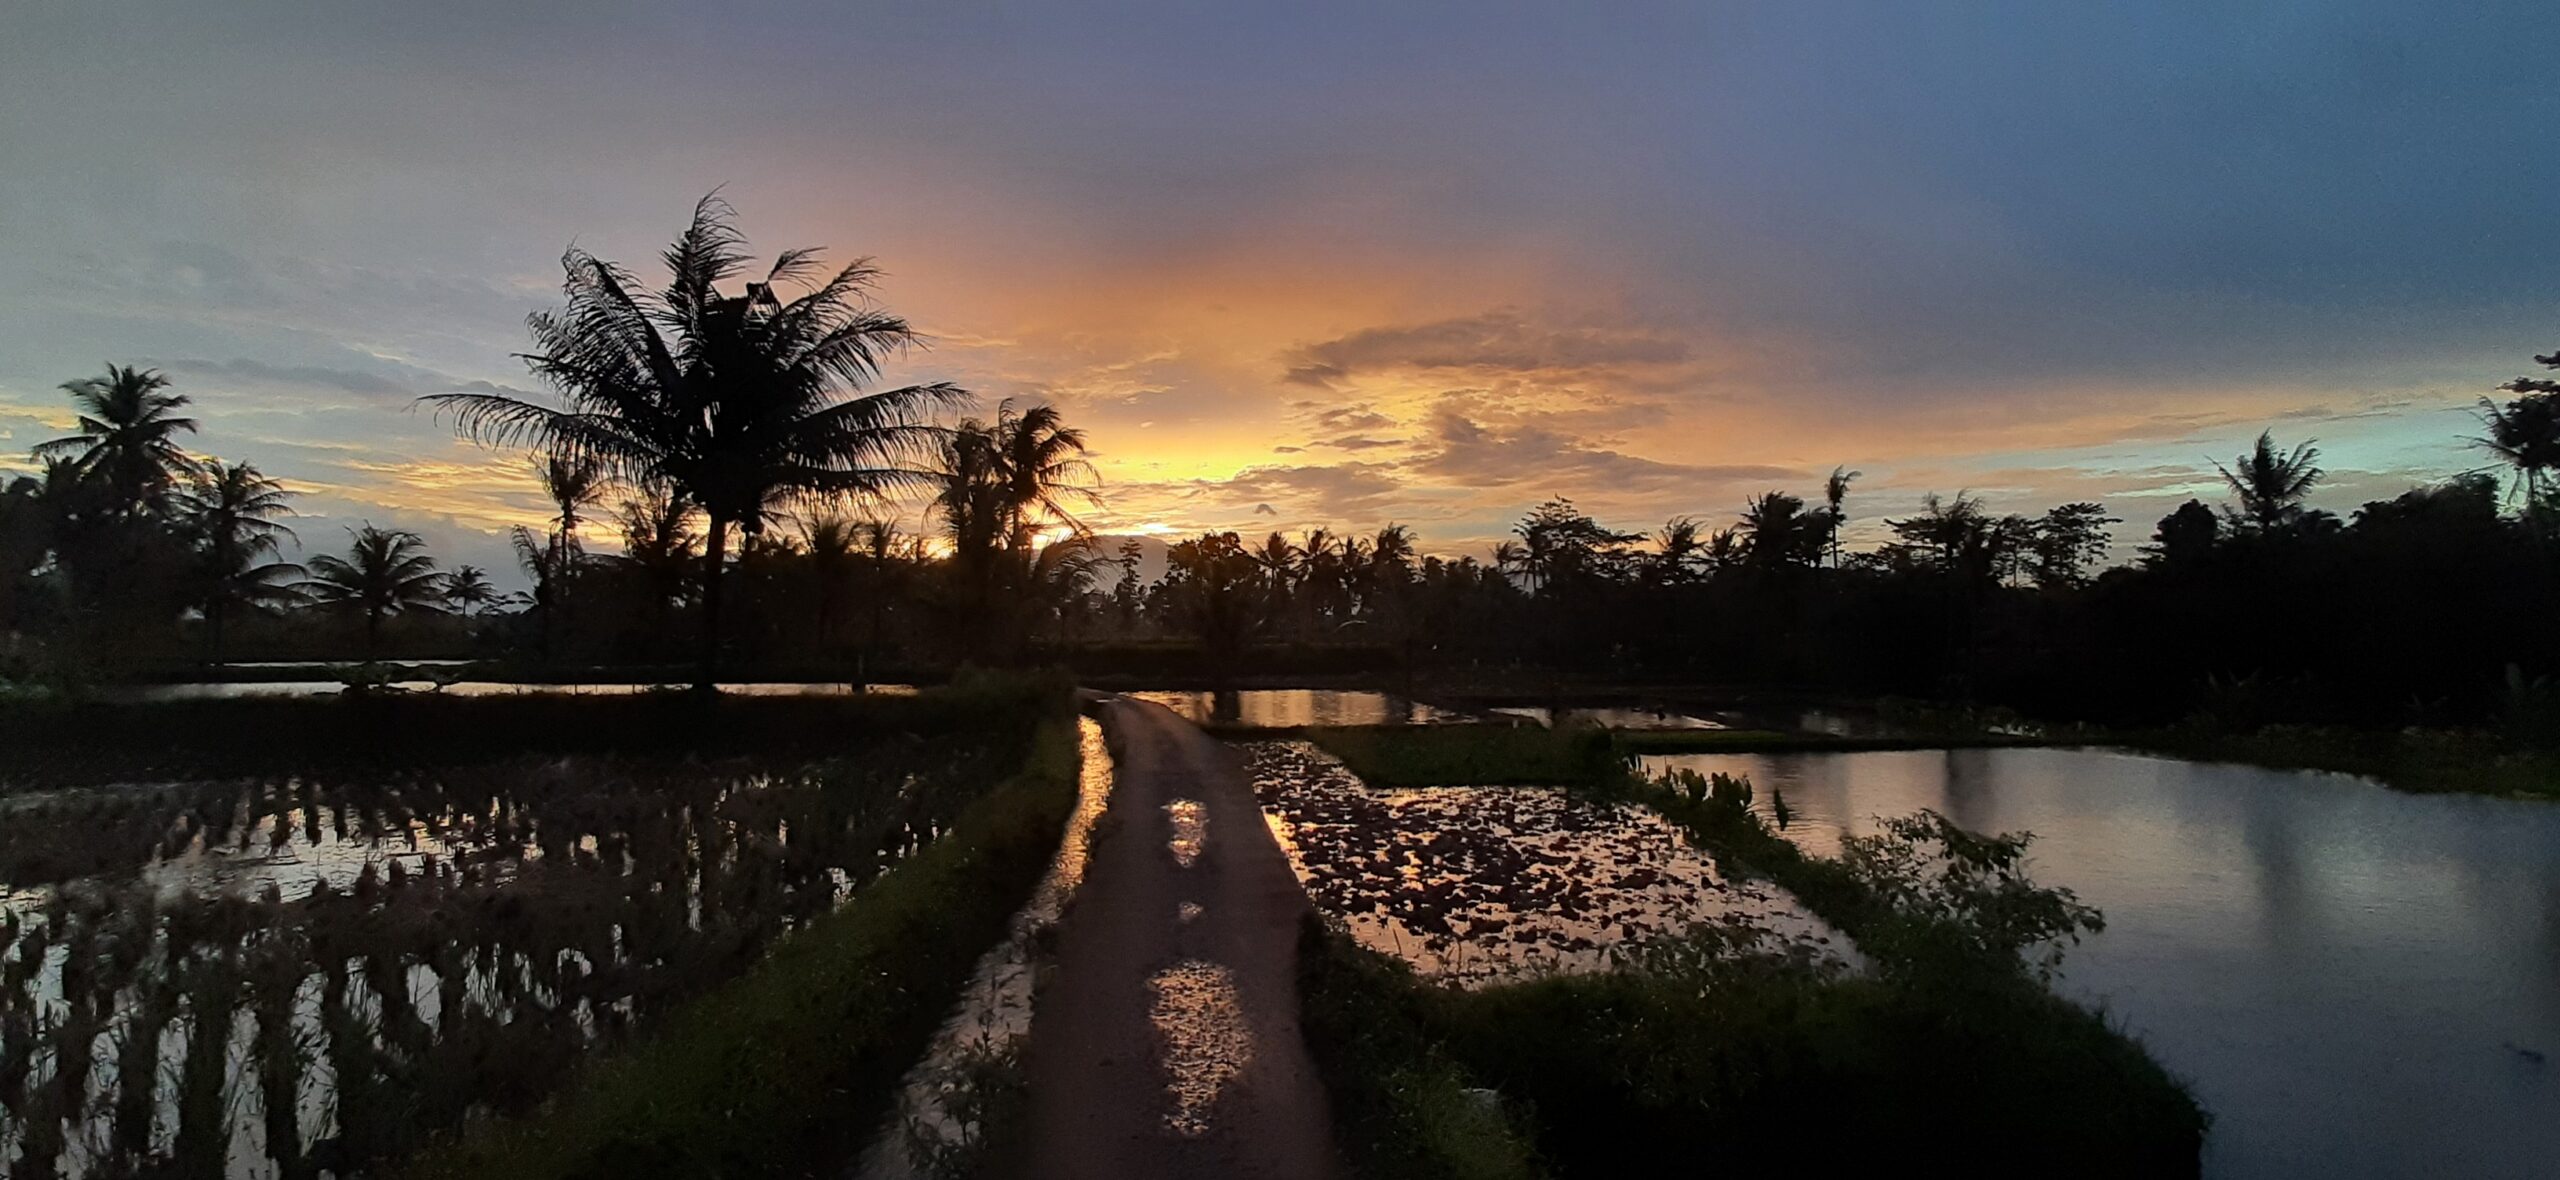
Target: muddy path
(1167,1041)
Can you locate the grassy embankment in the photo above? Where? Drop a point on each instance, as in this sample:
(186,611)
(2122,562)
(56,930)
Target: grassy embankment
(1947,1050)
(74,743)
(794,1064)
(2412,760)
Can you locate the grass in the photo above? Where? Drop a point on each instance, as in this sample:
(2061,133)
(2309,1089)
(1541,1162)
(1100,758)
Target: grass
(1406,1109)
(74,743)
(791,1065)
(2411,760)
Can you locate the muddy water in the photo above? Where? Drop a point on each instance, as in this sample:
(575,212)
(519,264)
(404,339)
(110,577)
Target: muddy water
(265,977)
(1480,885)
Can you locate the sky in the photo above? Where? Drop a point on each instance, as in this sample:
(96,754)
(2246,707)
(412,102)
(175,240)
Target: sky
(1307,265)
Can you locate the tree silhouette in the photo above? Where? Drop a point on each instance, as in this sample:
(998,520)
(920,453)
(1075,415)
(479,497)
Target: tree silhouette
(1002,485)
(467,590)
(231,512)
(127,440)
(386,572)
(738,403)
(2271,484)
(1835,495)
(2525,435)
(1777,533)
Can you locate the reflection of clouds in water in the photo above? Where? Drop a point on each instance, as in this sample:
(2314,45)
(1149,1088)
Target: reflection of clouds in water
(1487,884)
(1206,1042)
(1190,830)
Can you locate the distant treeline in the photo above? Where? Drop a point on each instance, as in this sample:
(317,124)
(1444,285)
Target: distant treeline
(681,416)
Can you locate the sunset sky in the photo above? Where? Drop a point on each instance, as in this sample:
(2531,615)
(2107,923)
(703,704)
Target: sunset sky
(1302,266)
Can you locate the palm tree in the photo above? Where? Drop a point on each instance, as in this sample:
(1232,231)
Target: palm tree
(1835,494)
(1777,532)
(231,511)
(2271,484)
(385,572)
(128,436)
(467,590)
(833,542)
(1003,484)
(2525,434)
(735,402)
(1678,551)
(573,482)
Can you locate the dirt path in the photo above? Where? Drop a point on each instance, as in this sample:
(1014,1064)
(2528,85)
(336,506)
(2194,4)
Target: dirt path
(1167,1043)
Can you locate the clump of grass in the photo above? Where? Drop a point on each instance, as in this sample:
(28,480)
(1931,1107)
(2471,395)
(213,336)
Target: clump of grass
(1406,1109)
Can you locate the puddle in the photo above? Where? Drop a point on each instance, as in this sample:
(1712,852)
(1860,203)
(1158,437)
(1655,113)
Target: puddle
(1199,1017)
(1483,885)
(1190,823)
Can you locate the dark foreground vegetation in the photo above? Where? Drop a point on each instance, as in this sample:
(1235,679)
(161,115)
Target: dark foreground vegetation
(420,914)
(1947,1049)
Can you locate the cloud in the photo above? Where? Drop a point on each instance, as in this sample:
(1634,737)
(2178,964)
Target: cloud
(312,376)
(1499,341)
(1473,453)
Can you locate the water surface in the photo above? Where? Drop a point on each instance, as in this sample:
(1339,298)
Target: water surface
(2356,980)
(1274,708)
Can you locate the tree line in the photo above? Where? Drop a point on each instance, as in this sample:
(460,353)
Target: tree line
(736,438)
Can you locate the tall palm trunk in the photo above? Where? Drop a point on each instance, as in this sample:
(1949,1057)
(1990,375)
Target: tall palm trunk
(715,541)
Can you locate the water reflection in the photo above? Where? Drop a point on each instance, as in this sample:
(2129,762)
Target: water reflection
(971,1070)
(283,976)
(2356,979)
(1480,885)
(1277,708)
(1615,717)
(1204,1039)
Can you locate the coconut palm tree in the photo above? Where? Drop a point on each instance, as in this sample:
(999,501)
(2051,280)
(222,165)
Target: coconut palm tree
(1835,494)
(1776,532)
(2271,484)
(232,514)
(1002,485)
(127,440)
(574,483)
(2525,434)
(386,572)
(833,544)
(736,403)
(467,590)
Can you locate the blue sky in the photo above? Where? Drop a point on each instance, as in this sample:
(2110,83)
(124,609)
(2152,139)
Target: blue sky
(1300,265)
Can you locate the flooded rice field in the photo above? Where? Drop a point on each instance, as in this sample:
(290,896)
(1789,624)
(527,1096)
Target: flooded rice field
(1481,885)
(281,976)
(1276,708)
